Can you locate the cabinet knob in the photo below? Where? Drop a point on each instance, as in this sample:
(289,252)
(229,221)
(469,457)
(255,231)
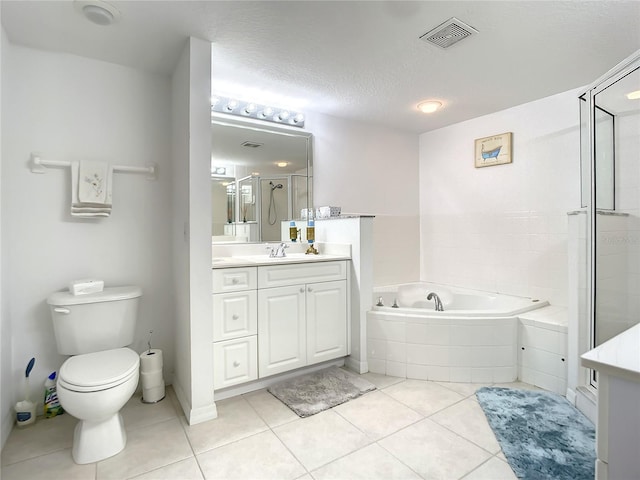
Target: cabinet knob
(235,316)
(310,289)
(302,290)
(234,281)
(236,364)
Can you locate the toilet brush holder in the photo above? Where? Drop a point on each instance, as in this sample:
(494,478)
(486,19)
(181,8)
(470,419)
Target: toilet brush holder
(151,376)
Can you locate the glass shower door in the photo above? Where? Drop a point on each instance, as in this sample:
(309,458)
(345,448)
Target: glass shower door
(615,147)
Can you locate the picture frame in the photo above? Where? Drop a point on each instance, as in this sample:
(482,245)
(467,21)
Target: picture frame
(493,150)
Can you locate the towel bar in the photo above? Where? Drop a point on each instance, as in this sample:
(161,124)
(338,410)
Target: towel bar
(38,165)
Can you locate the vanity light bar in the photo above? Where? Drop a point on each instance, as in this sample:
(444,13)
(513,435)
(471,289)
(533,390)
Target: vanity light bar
(256,111)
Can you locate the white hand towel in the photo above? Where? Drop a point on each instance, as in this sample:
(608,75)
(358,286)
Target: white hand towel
(93,208)
(92,182)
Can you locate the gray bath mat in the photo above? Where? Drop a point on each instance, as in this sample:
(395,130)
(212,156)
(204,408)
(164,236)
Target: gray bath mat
(314,392)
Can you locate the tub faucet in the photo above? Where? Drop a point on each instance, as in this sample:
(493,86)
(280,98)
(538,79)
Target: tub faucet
(436,299)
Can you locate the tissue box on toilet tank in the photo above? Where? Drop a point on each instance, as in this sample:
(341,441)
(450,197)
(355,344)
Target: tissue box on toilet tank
(328,212)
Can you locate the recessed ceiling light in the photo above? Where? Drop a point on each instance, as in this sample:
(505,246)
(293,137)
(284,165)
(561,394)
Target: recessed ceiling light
(97,11)
(429,106)
(634,95)
(282,164)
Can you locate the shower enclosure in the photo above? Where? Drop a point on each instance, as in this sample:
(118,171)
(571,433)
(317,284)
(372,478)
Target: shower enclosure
(610,161)
(265,201)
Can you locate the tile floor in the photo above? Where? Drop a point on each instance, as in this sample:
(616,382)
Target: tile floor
(406,429)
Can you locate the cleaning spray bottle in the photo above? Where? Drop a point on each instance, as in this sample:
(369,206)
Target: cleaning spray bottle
(26,409)
(52,405)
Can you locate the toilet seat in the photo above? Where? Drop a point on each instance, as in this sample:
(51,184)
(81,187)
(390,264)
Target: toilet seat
(97,371)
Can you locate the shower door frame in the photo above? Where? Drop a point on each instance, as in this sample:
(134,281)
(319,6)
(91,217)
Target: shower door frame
(605,81)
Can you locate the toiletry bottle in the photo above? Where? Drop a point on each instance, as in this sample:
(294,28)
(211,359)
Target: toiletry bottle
(311,231)
(293,231)
(52,405)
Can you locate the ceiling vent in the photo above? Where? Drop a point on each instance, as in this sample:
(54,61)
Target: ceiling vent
(252,144)
(448,33)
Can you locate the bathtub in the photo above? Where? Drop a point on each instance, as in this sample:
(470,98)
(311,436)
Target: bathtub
(474,340)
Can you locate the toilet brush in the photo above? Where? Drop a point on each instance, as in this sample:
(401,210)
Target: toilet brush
(26,409)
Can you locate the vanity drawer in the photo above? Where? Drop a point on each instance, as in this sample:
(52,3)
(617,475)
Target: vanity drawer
(295,273)
(234,279)
(235,361)
(235,315)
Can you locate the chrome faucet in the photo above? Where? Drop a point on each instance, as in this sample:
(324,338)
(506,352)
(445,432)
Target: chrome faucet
(436,299)
(279,251)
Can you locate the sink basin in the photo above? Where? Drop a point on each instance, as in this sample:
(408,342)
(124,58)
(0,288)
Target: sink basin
(291,257)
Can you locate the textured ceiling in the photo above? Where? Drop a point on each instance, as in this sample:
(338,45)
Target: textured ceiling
(360,60)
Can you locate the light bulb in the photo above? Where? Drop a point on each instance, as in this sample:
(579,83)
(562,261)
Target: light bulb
(283,115)
(634,95)
(298,118)
(250,108)
(231,105)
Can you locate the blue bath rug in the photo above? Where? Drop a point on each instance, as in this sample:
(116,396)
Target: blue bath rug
(542,435)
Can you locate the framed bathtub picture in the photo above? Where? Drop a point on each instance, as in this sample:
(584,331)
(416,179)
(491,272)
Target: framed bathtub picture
(493,150)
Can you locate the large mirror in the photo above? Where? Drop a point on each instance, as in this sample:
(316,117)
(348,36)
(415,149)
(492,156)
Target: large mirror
(261,175)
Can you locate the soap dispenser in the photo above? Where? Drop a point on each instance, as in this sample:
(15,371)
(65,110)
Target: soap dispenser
(293,231)
(311,236)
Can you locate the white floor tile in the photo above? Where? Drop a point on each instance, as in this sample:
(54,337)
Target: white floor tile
(47,467)
(469,421)
(433,451)
(259,457)
(320,439)
(236,420)
(494,469)
(183,470)
(272,411)
(465,389)
(46,435)
(424,397)
(368,463)
(147,448)
(256,436)
(377,414)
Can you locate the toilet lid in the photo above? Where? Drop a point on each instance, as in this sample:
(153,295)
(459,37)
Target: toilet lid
(99,370)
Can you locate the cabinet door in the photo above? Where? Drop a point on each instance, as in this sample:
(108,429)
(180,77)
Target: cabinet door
(326,321)
(234,315)
(281,329)
(234,362)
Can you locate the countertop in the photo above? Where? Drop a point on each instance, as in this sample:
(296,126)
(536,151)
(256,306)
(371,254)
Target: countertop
(264,259)
(619,356)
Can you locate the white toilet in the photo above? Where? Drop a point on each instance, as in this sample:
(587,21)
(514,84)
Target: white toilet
(101,376)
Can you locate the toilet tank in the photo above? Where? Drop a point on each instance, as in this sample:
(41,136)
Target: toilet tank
(96,321)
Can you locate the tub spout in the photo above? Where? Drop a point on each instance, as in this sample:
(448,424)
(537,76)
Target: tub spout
(437,300)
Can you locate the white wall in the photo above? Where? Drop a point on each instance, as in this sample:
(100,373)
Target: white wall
(502,228)
(6,417)
(71,108)
(368,169)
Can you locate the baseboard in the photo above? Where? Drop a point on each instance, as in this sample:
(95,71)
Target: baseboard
(356,365)
(7,425)
(571,396)
(194,416)
(587,403)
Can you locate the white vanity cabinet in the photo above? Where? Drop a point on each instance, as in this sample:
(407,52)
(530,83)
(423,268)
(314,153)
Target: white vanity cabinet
(302,315)
(235,326)
(270,319)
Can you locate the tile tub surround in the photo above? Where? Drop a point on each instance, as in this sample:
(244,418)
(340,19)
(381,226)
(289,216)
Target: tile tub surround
(483,350)
(380,435)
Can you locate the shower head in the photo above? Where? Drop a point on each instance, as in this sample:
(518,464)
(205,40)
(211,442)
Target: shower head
(273,186)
